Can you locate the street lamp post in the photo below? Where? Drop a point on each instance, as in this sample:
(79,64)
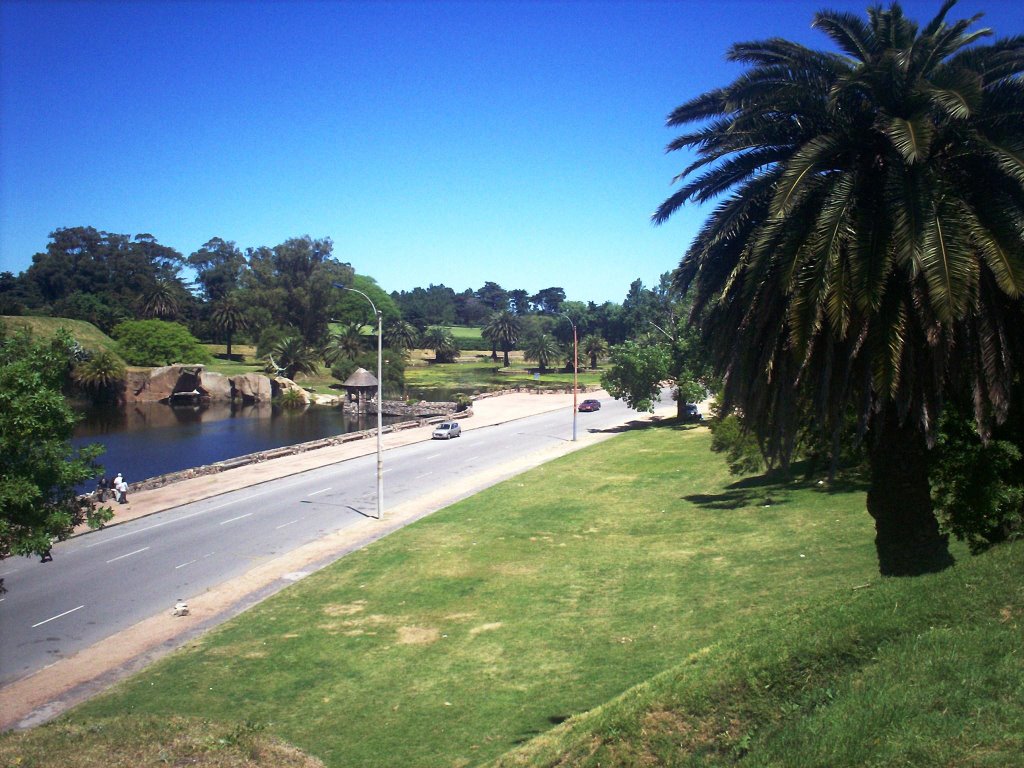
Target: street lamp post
(575,369)
(380,399)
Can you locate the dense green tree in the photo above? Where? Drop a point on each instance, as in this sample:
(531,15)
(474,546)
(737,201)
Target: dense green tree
(423,307)
(548,300)
(493,296)
(158,342)
(868,257)
(503,330)
(978,485)
(350,307)
(542,349)
(635,373)
(219,266)
(294,282)
(116,270)
(39,470)
(519,301)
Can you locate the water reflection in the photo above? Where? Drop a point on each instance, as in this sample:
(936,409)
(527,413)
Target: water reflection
(149,439)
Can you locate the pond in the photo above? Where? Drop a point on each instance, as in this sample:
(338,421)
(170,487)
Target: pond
(148,439)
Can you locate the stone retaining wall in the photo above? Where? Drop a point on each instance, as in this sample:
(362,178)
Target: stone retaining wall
(291,450)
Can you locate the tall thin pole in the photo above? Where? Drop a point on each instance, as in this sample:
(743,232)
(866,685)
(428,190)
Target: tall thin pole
(380,396)
(380,407)
(575,373)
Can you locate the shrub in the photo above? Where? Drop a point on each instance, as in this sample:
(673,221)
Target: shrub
(158,342)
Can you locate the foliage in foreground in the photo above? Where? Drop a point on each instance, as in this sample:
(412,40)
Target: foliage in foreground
(38,468)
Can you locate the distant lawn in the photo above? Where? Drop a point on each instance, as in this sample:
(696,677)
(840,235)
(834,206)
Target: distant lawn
(480,627)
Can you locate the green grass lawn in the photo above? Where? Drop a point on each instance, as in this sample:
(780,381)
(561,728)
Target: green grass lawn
(480,627)
(631,604)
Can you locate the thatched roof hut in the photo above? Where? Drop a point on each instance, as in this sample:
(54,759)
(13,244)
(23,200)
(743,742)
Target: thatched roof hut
(360,387)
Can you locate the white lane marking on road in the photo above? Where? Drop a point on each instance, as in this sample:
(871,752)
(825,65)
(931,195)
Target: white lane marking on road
(434,455)
(179,518)
(122,557)
(317,493)
(225,522)
(52,618)
(425,474)
(184,564)
(287,524)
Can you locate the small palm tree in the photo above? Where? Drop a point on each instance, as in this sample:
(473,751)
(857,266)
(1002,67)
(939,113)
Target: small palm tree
(542,349)
(102,375)
(292,356)
(594,346)
(228,317)
(346,344)
(502,330)
(160,302)
(401,335)
(441,340)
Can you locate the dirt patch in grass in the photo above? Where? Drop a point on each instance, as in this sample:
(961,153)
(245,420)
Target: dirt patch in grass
(418,635)
(345,610)
(485,628)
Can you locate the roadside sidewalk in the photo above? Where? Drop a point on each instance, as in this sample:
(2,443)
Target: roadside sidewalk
(486,412)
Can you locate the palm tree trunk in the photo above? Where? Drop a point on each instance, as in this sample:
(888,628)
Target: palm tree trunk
(907,536)
(504,351)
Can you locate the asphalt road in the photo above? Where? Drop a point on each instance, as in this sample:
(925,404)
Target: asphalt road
(108,580)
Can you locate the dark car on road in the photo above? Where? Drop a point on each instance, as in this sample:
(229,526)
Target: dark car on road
(590,405)
(691,412)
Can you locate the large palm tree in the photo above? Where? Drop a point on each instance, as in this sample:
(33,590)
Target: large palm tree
(868,258)
(502,330)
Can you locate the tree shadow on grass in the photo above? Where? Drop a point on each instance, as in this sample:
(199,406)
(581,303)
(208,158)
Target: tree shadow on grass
(654,422)
(772,488)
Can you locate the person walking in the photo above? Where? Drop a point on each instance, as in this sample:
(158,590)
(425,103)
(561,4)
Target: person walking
(101,489)
(121,489)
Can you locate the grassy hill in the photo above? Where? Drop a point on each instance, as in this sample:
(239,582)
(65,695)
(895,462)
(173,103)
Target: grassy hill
(87,334)
(630,604)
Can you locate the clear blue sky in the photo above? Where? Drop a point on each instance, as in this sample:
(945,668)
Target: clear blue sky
(434,142)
